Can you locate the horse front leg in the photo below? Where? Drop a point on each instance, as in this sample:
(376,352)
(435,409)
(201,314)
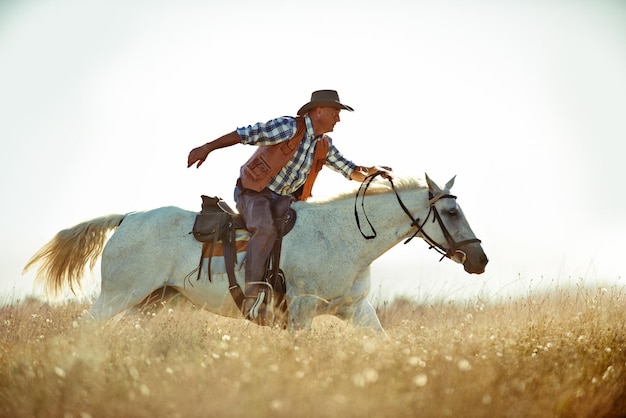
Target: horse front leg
(362,315)
(302,309)
(357,310)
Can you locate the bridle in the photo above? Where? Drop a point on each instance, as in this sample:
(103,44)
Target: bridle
(453,246)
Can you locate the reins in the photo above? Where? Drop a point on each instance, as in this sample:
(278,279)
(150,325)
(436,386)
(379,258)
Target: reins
(415,222)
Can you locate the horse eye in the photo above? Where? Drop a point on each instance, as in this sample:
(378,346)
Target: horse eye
(453,211)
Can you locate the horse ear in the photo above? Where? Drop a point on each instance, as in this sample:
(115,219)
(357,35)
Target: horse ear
(432,186)
(450,183)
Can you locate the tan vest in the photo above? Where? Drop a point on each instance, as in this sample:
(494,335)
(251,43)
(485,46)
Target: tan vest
(268,160)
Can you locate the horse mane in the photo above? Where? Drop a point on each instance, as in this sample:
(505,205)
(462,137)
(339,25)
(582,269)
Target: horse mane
(378,186)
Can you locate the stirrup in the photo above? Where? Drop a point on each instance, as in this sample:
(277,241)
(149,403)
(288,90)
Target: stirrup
(253,311)
(260,307)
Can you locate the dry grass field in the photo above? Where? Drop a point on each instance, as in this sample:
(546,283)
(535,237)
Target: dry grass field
(545,355)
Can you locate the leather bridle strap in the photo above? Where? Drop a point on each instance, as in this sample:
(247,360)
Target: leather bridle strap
(368,180)
(415,222)
(453,246)
(364,186)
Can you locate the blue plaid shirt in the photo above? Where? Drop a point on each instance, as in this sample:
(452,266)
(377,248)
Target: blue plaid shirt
(293,175)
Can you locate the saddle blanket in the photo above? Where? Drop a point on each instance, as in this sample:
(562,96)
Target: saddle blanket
(216,254)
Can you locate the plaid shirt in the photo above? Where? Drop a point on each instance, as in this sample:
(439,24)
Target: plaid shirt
(293,175)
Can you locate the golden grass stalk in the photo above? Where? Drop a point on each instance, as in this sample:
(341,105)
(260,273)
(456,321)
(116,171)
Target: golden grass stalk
(559,354)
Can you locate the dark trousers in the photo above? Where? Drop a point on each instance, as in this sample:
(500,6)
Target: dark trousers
(258,210)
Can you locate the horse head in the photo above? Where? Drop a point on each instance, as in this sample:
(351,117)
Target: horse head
(446,229)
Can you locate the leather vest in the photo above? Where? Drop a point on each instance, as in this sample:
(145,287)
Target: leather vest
(268,160)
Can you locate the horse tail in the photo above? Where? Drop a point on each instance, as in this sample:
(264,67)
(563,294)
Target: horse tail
(64,258)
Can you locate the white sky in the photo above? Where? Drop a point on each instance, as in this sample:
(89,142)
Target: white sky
(100,103)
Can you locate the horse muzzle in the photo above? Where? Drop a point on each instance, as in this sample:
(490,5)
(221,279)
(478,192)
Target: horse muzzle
(473,258)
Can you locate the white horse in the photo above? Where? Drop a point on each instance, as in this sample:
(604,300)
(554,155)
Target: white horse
(325,258)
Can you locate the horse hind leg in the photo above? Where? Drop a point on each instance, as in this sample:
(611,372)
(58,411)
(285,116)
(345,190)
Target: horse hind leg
(157,301)
(115,300)
(107,305)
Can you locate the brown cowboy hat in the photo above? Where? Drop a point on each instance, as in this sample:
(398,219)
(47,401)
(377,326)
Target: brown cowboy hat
(320,98)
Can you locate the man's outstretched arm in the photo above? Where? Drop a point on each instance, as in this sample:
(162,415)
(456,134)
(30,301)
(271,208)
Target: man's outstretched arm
(199,154)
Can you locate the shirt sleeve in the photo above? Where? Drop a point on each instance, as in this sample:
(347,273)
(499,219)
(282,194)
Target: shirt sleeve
(268,133)
(338,162)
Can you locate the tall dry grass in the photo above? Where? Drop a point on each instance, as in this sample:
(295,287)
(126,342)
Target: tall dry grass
(560,354)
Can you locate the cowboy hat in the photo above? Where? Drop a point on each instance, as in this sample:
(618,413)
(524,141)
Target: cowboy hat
(323,98)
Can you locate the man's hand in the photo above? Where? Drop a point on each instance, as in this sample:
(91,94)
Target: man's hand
(360,173)
(198,155)
(385,171)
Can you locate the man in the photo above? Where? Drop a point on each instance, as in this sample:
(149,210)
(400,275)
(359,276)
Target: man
(282,169)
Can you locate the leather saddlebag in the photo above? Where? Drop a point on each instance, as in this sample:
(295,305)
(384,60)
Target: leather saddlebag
(212,223)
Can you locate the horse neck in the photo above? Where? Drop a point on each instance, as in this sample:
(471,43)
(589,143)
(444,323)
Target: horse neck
(389,221)
(387,216)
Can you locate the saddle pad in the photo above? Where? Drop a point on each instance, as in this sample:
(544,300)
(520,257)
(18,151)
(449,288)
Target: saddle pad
(218,265)
(241,245)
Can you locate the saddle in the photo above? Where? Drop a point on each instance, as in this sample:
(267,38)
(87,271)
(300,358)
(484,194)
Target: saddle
(217,223)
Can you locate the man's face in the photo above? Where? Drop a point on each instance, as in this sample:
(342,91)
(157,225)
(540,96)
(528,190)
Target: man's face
(327,118)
